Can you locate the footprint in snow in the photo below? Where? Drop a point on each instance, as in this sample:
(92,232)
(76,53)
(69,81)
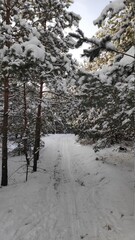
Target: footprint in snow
(83,236)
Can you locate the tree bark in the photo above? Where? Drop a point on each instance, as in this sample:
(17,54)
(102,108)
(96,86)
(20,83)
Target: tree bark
(4,178)
(25,135)
(38,130)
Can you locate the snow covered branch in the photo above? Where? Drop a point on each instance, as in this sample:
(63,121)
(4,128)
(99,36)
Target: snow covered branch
(109,11)
(97,45)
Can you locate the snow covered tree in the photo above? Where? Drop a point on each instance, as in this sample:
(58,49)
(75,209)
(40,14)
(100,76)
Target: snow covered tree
(107,107)
(32,39)
(106,40)
(120,26)
(107,95)
(58,62)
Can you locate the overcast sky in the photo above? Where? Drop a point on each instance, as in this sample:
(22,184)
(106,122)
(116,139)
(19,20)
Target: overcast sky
(88,10)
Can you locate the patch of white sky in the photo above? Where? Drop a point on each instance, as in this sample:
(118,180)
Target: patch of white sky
(89,11)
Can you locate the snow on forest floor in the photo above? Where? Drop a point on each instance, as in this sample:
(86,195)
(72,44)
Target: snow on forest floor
(72,196)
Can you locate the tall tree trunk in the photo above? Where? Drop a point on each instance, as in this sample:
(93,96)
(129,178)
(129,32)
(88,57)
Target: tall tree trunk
(38,129)
(25,135)
(25,120)
(4,178)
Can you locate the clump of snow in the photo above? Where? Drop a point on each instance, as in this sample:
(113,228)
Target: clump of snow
(130,112)
(36,52)
(110,10)
(126,121)
(104,73)
(34,47)
(75,15)
(110,46)
(17,48)
(127,60)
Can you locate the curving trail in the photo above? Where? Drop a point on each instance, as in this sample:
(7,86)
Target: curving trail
(75,198)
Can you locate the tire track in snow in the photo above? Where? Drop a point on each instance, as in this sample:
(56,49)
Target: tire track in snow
(82,222)
(71,210)
(86,218)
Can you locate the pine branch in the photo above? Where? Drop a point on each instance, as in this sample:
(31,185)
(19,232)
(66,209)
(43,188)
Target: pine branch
(124,53)
(99,45)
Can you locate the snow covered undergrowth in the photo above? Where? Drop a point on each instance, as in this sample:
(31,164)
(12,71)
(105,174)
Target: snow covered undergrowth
(72,196)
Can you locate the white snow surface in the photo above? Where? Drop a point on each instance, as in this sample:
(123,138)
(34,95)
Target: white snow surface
(72,196)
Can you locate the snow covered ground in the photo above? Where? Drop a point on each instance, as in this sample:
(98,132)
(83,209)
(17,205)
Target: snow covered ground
(72,196)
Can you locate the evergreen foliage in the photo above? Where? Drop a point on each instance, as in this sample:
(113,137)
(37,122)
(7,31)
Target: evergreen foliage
(120,27)
(107,105)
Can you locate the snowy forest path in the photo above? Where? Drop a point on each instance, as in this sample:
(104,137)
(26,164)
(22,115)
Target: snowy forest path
(79,181)
(71,197)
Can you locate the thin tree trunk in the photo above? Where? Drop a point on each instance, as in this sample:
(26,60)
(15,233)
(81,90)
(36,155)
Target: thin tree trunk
(25,139)
(25,121)
(38,130)
(4,178)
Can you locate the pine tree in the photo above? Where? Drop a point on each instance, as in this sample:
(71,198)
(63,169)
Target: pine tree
(4,180)
(106,110)
(121,29)
(32,45)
